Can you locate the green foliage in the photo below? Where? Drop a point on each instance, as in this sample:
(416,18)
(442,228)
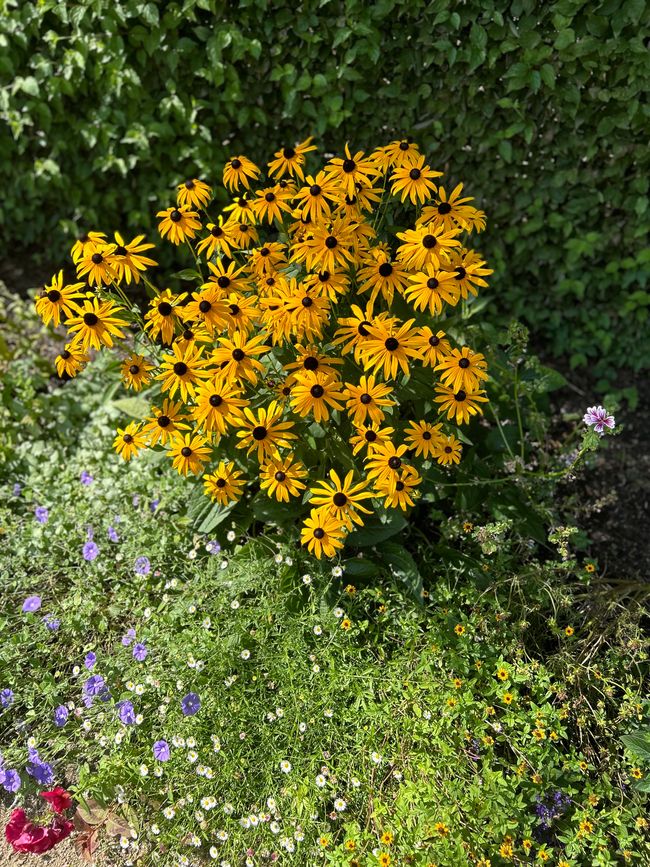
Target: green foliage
(538,107)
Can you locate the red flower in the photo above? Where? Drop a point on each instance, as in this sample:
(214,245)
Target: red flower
(58,799)
(25,836)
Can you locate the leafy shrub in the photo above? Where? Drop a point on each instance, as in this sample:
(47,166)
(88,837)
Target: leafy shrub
(106,105)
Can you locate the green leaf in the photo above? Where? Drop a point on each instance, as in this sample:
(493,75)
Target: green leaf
(564,39)
(638,743)
(136,407)
(378,527)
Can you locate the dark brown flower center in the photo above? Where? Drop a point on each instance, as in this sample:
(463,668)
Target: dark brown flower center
(319,533)
(165,308)
(339,499)
(414,174)
(280,476)
(394,463)
(186,451)
(288,153)
(363,331)
(307,301)
(189,185)
(53,295)
(317,391)
(310,363)
(205,306)
(236,164)
(314,190)
(223,282)
(385,269)
(234,309)
(175,216)
(460,396)
(134,369)
(432,283)
(91,319)
(365,399)
(460,274)
(65,355)
(464,363)
(221,483)
(444,208)
(238,354)
(97,258)
(399,486)
(127,438)
(164,421)
(180,368)
(429,241)
(371,436)
(259,433)
(426,435)
(215,400)
(434,340)
(349,166)
(330,242)
(391,344)
(216,231)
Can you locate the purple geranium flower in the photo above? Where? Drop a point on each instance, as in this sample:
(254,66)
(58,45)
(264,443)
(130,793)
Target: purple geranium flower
(112,534)
(212,547)
(41,514)
(32,603)
(11,780)
(190,704)
(161,751)
(6,697)
(142,566)
(17,490)
(51,622)
(40,770)
(140,651)
(95,685)
(90,551)
(153,505)
(129,637)
(126,713)
(599,418)
(85,478)
(60,716)
(90,660)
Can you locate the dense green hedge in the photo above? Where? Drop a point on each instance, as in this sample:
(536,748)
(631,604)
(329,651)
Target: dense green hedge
(537,106)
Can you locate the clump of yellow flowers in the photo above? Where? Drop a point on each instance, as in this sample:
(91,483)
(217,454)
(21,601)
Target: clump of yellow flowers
(308,362)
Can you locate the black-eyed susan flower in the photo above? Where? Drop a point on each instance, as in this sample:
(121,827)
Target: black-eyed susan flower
(282,478)
(182,370)
(266,260)
(178,224)
(208,308)
(242,312)
(349,170)
(218,405)
(236,356)
(136,372)
(401,493)
(399,153)
(240,210)
(329,248)
(291,160)
(322,534)
(189,453)
(95,323)
(194,193)
(243,235)
(240,171)
(271,203)
(369,437)
(227,277)
(225,484)
(97,265)
(390,347)
(311,360)
(55,300)
(380,276)
(193,334)
(70,361)
(316,392)
(415,181)
(469,270)
(423,437)
(431,347)
(265,433)
(463,369)
(342,498)
(460,405)
(353,331)
(128,260)
(383,466)
(87,241)
(365,400)
(316,197)
(450,211)
(426,246)
(164,314)
(216,241)
(431,289)
(165,422)
(352,207)
(129,441)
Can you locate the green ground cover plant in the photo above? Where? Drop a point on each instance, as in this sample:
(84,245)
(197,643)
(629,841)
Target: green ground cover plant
(490,711)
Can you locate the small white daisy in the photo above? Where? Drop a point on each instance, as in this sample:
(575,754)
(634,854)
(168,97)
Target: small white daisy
(285,766)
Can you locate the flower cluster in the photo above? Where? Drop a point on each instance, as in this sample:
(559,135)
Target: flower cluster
(309,364)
